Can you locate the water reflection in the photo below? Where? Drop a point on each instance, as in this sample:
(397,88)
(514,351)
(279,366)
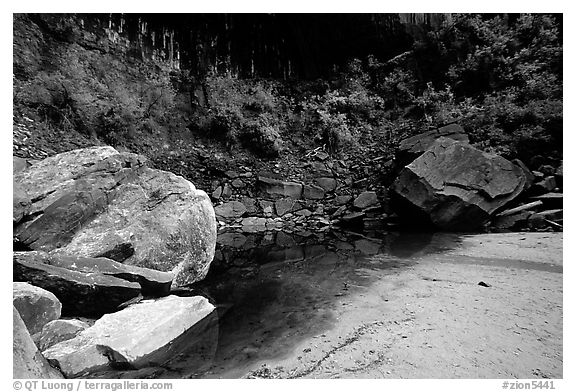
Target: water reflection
(272,290)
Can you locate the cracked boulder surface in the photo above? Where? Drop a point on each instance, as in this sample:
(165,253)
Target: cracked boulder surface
(456,186)
(98,202)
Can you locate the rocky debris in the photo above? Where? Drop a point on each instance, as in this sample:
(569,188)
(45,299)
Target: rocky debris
(548,184)
(514,221)
(35,305)
(457,186)
(327,183)
(282,188)
(91,201)
(353,218)
(365,200)
(412,147)
(553,215)
(313,192)
(28,362)
(57,331)
(550,200)
(522,207)
(231,209)
(129,336)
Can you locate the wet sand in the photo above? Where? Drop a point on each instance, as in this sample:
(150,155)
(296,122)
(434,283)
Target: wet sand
(432,319)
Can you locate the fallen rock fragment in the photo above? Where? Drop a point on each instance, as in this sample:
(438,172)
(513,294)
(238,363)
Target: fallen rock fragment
(128,336)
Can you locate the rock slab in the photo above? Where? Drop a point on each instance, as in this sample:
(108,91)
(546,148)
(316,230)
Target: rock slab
(130,335)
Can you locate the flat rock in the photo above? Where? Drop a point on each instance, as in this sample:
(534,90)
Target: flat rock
(35,305)
(342,200)
(57,331)
(284,206)
(327,183)
(283,188)
(28,362)
(129,336)
(230,210)
(365,200)
(456,186)
(250,205)
(81,294)
(91,202)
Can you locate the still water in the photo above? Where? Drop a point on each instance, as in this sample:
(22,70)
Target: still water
(273,290)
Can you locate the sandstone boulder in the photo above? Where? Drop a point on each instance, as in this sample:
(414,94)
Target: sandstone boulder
(94,201)
(457,186)
(20,203)
(129,336)
(27,361)
(35,305)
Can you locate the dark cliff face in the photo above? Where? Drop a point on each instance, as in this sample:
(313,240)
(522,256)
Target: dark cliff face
(282,46)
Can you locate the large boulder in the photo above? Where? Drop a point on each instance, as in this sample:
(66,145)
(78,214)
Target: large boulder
(35,305)
(412,147)
(129,336)
(88,286)
(27,360)
(98,202)
(457,186)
